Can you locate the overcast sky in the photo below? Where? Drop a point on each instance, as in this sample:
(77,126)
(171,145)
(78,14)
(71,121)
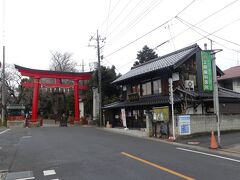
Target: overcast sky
(35,28)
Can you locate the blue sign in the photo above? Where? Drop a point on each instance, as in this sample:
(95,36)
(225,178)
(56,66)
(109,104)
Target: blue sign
(184,125)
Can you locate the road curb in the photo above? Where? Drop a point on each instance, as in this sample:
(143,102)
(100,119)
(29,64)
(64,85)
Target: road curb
(194,147)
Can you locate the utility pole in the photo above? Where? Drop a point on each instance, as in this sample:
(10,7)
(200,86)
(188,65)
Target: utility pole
(82,65)
(170,80)
(215,93)
(99,77)
(99,81)
(3,68)
(3,87)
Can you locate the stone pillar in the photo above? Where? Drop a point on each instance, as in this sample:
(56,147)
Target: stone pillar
(35,100)
(149,124)
(76,101)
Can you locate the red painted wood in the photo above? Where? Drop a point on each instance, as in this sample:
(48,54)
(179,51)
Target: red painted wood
(49,85)
(76,101)
(35,100)
(36,73)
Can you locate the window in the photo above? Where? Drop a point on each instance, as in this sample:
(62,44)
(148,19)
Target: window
(136,89)
(146,89)
(157,86)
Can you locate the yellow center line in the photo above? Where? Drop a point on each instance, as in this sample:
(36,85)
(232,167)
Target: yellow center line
(157,166)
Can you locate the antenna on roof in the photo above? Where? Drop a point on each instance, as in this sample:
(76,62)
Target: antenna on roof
(238,60)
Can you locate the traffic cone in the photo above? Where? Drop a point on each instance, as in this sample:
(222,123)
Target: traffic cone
(213,142)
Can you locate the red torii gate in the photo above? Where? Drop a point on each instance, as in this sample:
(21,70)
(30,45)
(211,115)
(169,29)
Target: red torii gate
(37,74)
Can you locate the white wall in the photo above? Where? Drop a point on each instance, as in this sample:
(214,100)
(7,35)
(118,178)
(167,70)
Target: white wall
(236,85)
(197,110)
(81,107)
(207,123)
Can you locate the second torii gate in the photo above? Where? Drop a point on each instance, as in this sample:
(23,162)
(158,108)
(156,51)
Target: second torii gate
(37,74)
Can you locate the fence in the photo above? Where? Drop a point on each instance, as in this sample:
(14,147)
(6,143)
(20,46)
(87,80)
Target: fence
(207,123)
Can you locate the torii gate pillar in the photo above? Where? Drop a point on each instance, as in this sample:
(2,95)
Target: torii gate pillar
(35,100)
(76,101)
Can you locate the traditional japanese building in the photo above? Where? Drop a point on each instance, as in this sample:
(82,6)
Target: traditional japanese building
(146,88)
(231,79)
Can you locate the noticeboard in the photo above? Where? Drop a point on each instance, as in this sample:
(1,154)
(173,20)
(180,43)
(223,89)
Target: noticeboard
(184,122)
(161,113)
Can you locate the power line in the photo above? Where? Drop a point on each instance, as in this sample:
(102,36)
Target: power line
(207,17)
(111,64)
(126,17)
(119,14)
(209,38)
(191,25)
(144,14)
(108,15)
(131,61)
(147,33)
(138,38)
(105,20)
(137,19)
(221,28)
(184,9)
(203,36)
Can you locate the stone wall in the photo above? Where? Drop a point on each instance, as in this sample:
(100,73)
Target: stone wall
(207,123)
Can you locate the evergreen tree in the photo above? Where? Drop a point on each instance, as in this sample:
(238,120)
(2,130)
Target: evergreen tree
(146,54)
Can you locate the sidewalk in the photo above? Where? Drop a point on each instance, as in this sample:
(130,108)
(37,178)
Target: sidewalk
(131,132)
(230,142)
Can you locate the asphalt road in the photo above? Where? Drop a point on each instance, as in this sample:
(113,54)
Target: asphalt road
(87,153)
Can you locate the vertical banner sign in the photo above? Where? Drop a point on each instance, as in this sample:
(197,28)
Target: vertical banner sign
(123,116)
(184,124)
(207,70)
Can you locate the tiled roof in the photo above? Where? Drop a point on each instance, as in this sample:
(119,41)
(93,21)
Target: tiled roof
(224,93)
(152,100)
(233,72)
(159,63)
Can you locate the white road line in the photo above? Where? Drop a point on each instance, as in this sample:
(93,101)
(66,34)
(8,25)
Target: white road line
(5,131)
(49,172)
(26,178)
(25,137)
(54,179)
(207,154)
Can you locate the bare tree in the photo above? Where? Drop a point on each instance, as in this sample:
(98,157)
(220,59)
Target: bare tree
(62,62)
(13,82)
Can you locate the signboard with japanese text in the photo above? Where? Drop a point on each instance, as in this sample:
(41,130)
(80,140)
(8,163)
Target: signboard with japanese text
(207,70)
(161,113)
(184,124)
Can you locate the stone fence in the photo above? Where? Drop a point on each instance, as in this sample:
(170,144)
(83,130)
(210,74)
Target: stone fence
(207,123)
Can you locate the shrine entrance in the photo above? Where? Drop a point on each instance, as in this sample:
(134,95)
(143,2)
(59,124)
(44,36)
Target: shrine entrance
(37,75)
